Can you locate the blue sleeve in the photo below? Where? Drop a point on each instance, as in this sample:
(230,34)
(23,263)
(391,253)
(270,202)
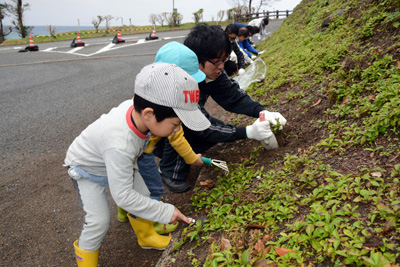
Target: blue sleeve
(240,25)
(241,46)
(249,47)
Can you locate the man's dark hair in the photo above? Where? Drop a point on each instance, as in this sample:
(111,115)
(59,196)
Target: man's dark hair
(232,28)
(266,21)
(243,32)
(208,42)
(256,29)
(161,112)
(250,28)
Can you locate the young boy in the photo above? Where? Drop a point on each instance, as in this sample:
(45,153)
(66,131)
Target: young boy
(183,57)
(105,155)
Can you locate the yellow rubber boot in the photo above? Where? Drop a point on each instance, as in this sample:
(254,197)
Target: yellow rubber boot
(147,236)
(122,215)
(163,229)
(86,258)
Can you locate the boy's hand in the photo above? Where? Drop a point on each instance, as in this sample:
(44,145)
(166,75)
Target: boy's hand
(179,217)
(198,162)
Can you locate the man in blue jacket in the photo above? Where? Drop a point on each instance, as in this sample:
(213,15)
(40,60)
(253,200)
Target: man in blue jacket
(246,44)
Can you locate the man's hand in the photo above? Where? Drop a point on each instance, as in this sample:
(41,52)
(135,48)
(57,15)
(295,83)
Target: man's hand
(274,118)
(241,72)
(260,130)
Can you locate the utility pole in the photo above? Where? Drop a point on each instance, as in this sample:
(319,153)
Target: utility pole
(130,23)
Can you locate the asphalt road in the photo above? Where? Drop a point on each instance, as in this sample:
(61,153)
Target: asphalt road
(53,94)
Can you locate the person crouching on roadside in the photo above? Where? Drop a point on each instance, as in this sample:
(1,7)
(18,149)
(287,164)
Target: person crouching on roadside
(105,155)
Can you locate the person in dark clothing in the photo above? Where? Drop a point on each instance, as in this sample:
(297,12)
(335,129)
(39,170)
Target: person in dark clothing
(212,47)
(230,66)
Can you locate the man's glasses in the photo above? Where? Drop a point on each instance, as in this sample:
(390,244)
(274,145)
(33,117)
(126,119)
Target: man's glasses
(219,62)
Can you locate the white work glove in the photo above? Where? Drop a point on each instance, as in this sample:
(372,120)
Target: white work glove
(241,72)
(259,130)
(259,53)
(253,56)
(272,117)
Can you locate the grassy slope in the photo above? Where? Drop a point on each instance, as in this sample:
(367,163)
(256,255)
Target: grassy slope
(307,202)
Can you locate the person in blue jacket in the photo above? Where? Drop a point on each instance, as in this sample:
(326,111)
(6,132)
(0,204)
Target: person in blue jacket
(246,44)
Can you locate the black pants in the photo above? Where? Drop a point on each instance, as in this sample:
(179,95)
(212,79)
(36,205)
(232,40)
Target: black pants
(173,165)
(230,67)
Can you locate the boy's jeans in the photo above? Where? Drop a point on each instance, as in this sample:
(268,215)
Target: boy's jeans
(149,171)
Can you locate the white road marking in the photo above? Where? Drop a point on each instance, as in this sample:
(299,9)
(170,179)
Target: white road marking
(108,47)
(75,49)
(49,49)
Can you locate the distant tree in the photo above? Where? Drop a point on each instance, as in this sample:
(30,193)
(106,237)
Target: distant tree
(51,29)
(220,16)
(174,19)
(96,22)
(17,10)
(165,16)
(3,13)
(161,18)
(251,5)
(178,18)
(153,19)
(108,18)
(198,15)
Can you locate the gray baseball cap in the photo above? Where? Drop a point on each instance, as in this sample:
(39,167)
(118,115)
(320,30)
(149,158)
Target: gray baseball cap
(168,85)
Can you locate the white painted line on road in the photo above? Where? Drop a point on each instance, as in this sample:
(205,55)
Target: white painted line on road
(75,49)
(169,38)
(108,47)
(49,49)
(104,49)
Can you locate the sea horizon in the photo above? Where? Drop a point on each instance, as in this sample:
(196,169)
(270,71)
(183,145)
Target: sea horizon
(40,30)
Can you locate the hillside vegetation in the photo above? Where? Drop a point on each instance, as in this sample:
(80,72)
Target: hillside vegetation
(330,195)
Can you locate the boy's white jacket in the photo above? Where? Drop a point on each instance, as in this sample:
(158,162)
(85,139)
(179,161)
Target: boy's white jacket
(110,147)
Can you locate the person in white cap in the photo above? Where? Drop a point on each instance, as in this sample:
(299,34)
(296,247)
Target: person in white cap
(173,53)
(105,155)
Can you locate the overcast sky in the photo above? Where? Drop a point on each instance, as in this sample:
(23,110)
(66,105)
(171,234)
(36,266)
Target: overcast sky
(68,12)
